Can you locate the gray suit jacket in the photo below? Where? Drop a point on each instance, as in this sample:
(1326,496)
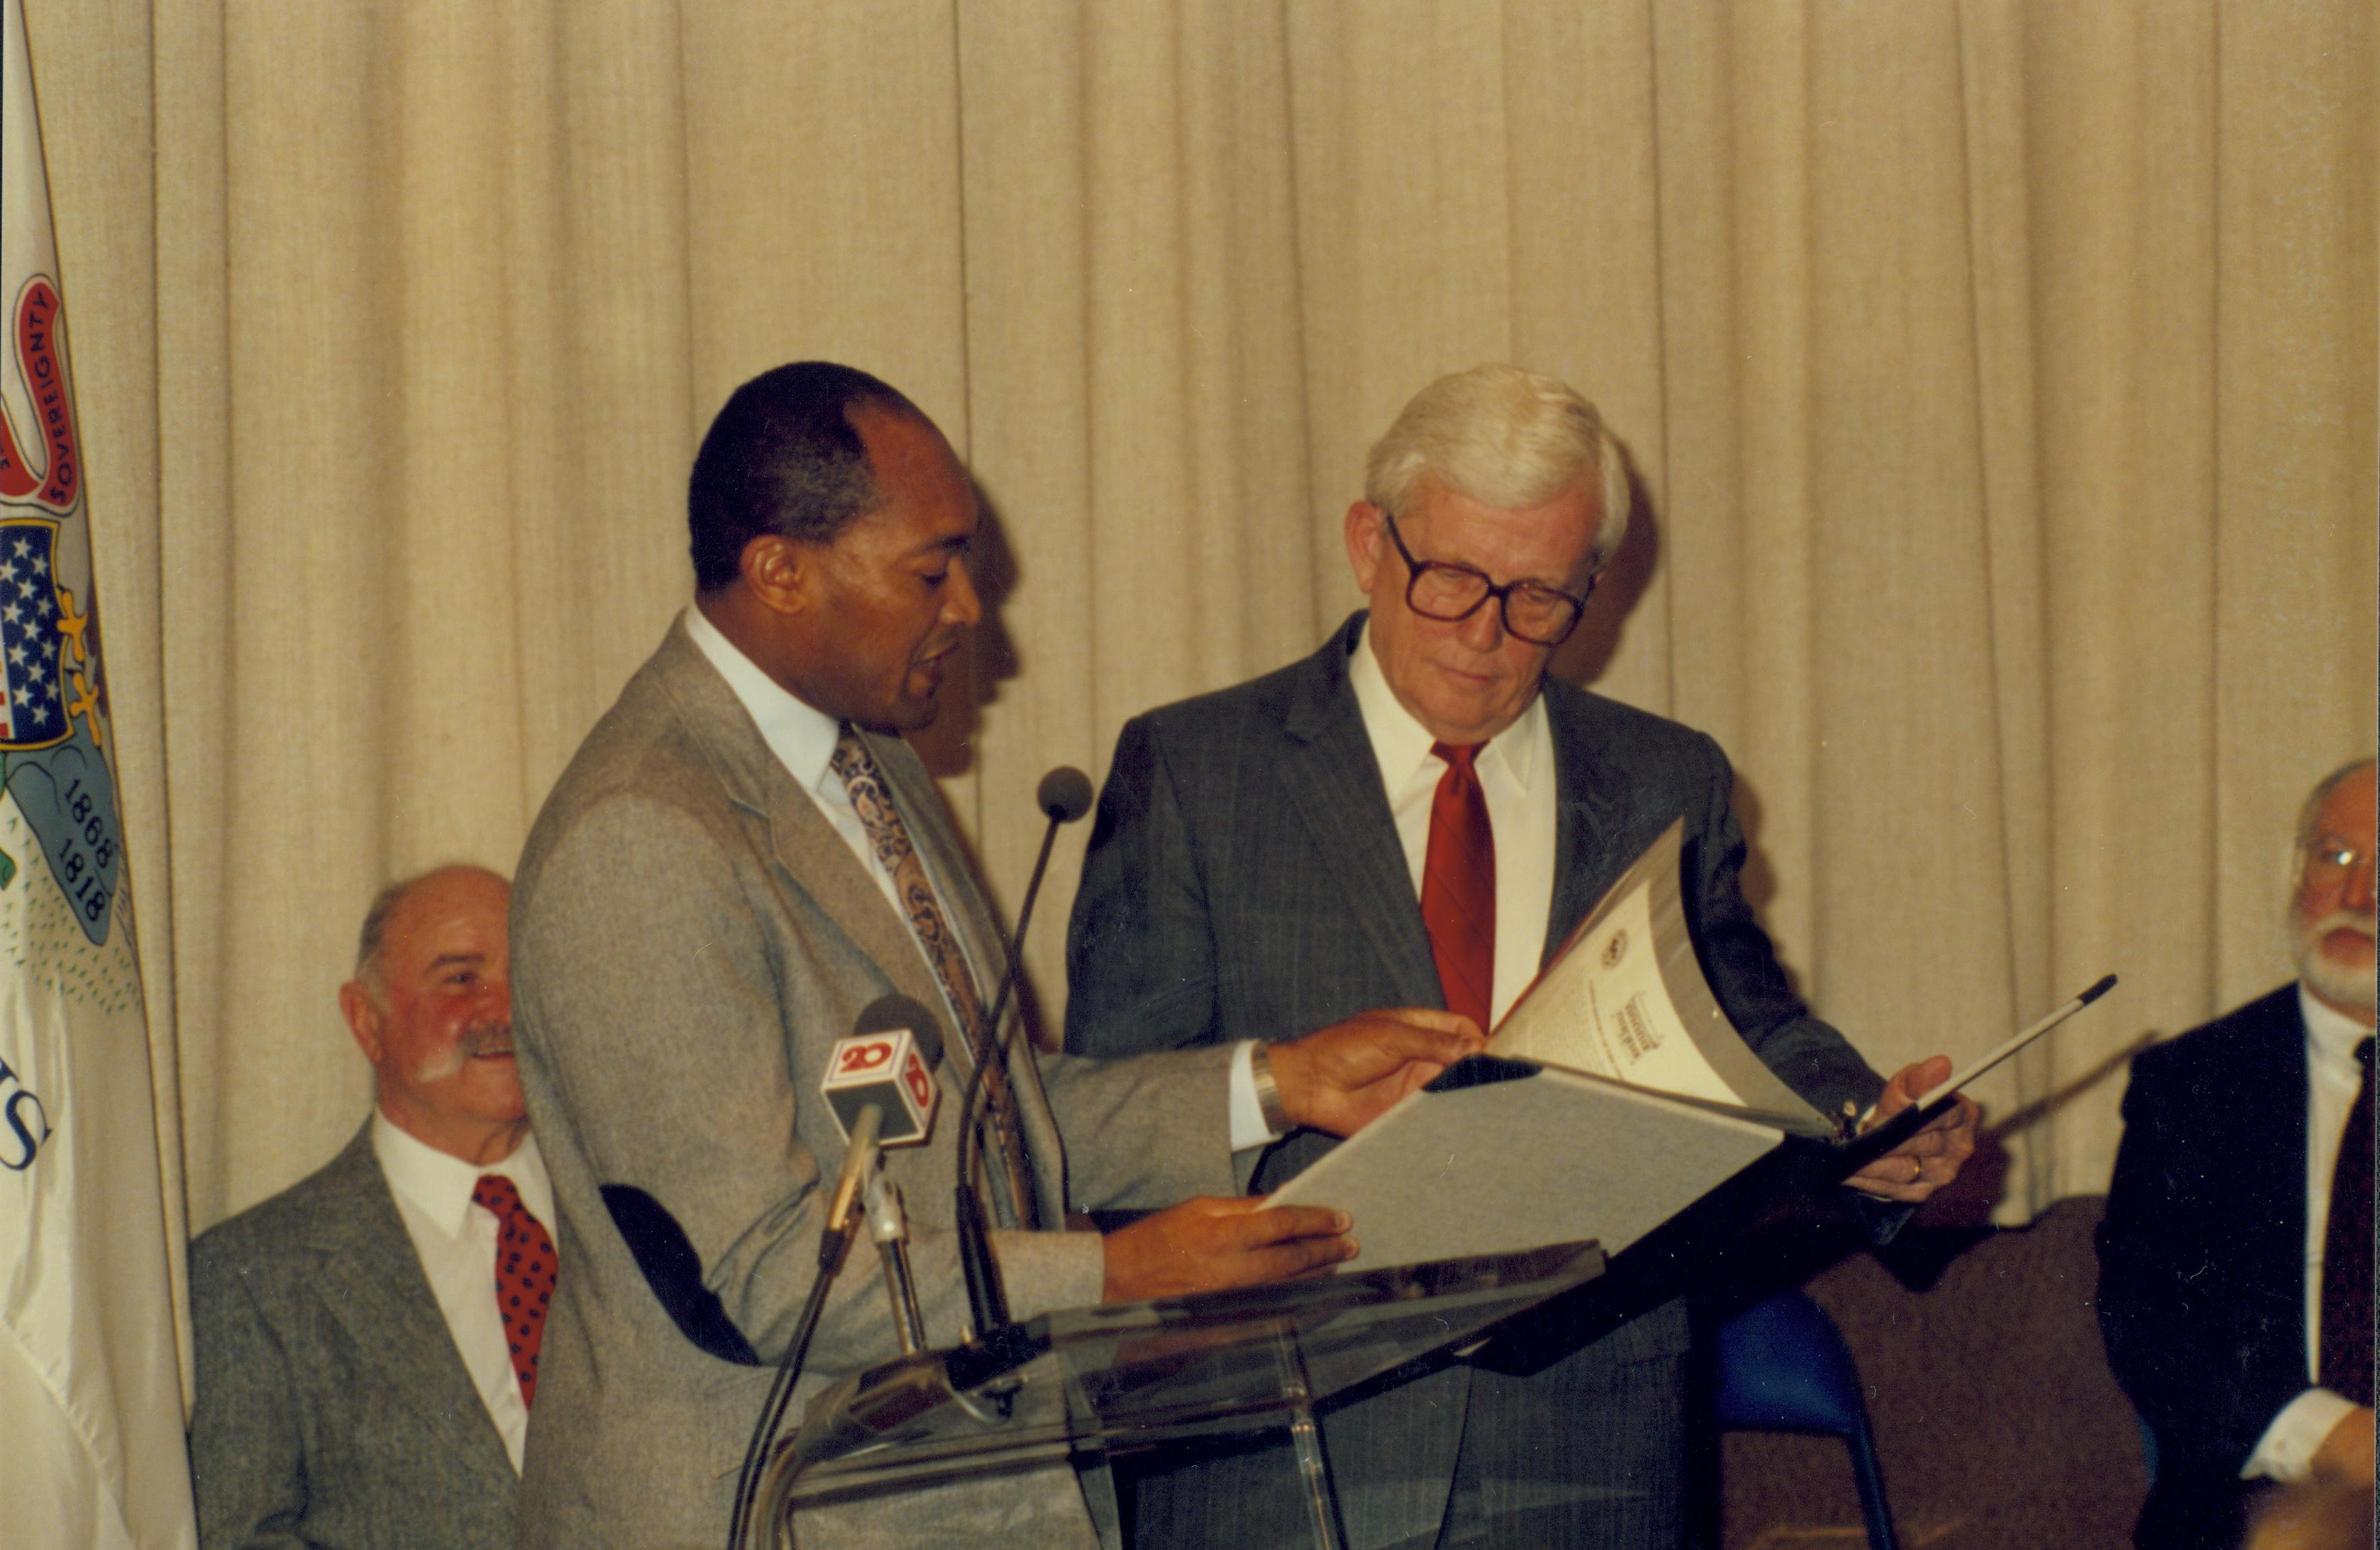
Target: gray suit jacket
(333,1406)
(1244,880)
(690,937)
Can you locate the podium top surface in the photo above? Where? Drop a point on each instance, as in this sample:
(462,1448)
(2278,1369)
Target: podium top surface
(1133,1374)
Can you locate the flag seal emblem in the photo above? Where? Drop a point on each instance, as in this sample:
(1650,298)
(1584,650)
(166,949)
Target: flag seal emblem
(53,696)
(37,631)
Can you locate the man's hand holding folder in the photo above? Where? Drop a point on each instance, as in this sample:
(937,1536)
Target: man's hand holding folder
(1932,1157)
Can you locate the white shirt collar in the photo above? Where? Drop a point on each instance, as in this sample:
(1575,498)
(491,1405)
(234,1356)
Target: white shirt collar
(439,1185)
(1401,743)
(2331,1035)
(802,737)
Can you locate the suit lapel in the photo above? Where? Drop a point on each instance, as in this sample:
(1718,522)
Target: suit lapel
(374,1284)
(814,861)
(1585,824)
(2263,1102)
(1334,785)
(816,864)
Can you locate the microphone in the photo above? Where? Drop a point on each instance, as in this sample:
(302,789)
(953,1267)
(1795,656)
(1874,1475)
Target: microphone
(1065,795)
(895,1011)
(884,1067)
(887,1063)
(880,1087)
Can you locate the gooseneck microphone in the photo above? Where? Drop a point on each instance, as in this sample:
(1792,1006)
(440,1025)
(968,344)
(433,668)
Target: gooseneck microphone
(1065,795)
(880,1087)
(890,1059)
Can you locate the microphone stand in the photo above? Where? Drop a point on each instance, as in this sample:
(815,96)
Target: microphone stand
(858,1170)
(888,1224)
(1065,795)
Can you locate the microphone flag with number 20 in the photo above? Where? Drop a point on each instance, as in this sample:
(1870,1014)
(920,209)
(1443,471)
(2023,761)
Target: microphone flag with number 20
(888,1070)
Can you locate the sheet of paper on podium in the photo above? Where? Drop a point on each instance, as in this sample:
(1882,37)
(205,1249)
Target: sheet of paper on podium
(1617,1093)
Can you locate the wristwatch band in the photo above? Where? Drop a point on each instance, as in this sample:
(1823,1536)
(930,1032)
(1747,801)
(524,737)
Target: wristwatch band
(1269,1104)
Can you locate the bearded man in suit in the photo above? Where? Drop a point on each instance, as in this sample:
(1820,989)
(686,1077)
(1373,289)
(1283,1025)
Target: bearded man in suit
(742,856)
(364,1375)
(1417,814)
(2235,1263)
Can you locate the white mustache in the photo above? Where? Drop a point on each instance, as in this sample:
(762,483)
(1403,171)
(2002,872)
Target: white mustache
(485,1038)
(2341,920)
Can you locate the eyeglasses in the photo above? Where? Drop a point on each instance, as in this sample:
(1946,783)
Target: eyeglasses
(2327,860)
(1443,591)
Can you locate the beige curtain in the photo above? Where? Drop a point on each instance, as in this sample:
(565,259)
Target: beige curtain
(2001,376)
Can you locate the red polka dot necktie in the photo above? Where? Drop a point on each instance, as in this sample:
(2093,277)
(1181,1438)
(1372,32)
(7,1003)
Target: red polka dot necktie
(1458,886)
(524,1267)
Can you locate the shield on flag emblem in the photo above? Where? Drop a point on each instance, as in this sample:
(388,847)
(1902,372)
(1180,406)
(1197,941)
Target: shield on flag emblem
(35,713)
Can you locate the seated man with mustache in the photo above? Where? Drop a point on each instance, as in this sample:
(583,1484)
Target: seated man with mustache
(366,1340)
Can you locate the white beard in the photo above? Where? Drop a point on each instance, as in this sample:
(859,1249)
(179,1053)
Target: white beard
(2350,986)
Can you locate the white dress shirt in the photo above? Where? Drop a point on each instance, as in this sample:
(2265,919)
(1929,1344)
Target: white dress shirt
(456,1239)
(1516,775)
(804,738)
(803,741)
(2333,1074)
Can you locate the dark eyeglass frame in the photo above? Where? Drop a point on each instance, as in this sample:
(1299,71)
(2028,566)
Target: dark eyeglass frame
(1503,594)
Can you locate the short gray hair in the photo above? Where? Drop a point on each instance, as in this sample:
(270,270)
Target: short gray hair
(374,934)
(1506,438)
(2321,794)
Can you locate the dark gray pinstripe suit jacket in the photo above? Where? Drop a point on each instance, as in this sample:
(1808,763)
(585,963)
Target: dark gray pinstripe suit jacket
(1244,880)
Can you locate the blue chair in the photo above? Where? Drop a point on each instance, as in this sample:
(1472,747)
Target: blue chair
(1782,1366)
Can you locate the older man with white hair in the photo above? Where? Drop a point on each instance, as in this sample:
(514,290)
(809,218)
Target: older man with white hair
(2235,1264)
(368,1340)
(1418,815)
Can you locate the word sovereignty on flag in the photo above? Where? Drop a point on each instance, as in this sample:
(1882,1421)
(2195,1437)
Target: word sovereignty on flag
(54,485)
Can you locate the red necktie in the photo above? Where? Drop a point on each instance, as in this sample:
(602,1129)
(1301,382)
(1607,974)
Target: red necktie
(524,1267)
(1458,886)
(2344,1352)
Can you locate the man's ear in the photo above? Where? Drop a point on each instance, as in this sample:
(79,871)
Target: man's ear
(1367,536)
(363,1015)
(778,572)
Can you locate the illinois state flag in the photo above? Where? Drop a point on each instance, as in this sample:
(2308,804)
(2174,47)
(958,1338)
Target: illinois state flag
(91,1401)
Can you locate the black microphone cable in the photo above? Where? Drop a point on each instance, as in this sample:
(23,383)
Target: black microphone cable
(780,1394)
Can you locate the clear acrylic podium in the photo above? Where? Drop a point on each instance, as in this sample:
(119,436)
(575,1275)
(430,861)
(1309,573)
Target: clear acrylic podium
(1132,1375)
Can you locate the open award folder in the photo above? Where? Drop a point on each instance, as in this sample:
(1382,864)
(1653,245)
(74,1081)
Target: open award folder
(1613,1095)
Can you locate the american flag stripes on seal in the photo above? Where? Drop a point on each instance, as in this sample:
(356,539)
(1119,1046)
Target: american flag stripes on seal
(35,713)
